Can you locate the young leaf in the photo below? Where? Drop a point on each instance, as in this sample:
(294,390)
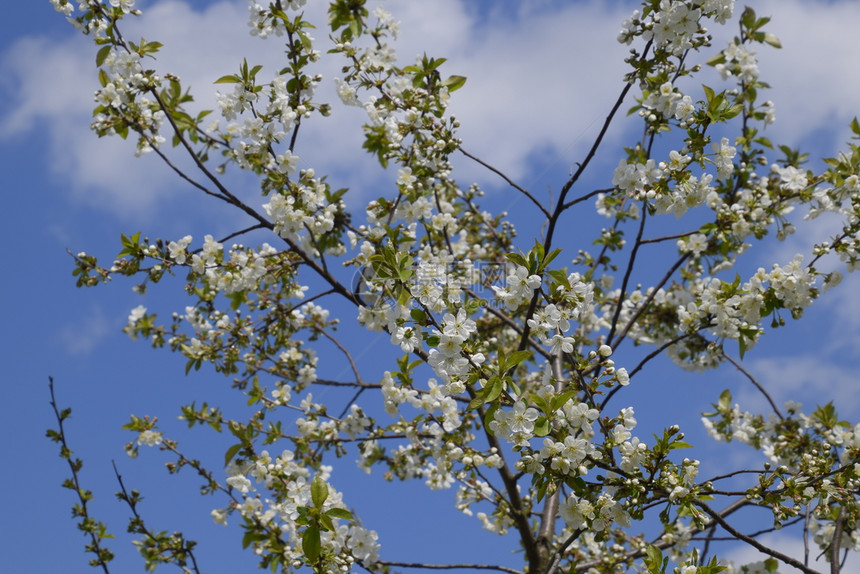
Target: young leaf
(516,358)
(340,513)
(454,83)
(311,543)
(319,492)
(229,79)
(102,54)
(231,452)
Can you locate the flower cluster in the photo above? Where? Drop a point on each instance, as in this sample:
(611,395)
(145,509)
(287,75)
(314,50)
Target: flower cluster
(674,26)
(504,386)
(292,489)
(740,62)
(518,289)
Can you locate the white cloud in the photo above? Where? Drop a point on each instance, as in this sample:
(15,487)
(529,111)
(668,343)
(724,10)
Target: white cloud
(539,85)
(844,307)
(790,546)
(816,85)
(55,83)
(86,333)
(809,379)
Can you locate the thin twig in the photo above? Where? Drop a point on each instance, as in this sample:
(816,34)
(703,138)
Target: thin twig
(508,180)
(586,197)
(352,366)
(449,566)
(182,175)
(550,508)
(627,273)
(653,354)
(644,305)
(837,539)
(243,232)
(752,541)
(756,383)
(131,501)
(668,237)
(103,555)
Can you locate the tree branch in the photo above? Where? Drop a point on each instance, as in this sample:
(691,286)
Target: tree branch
(718,518)
(449,566)
(508,180)
(756,383)
(95,529)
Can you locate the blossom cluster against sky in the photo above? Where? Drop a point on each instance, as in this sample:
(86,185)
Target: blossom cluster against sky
(541,74)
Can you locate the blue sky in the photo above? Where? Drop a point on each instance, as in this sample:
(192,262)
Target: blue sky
(541,74)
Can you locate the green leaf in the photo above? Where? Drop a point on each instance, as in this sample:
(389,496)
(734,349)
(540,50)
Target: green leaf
(355,28)
(250,537)
(718,59)
(725,402)
(516,358)
(654,560)
(517,259)
(558,401)
(490,416)
(326,525)
(475,403)
(311,543)
(340,513)
(102,54)
(826,415)
(748,18)
(732,111)
(542,426)
(548,258)
(231,452)
(236,299)
(229,79)
(319,492)
(493,390)
(764,142)
(454,83)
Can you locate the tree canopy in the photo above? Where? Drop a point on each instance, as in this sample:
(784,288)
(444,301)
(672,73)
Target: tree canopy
(515,338)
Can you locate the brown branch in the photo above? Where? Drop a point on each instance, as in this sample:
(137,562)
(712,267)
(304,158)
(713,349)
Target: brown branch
(176,554)
(560,205)
(352,366)
(243,232)
(756,383)
(718,518)
(627,273)
(515,501)
(668,237)
(550,508)
(353,384)
(103,555)
(837,539)
(512,324)
(449,566)
(647,301)
(508,180)
(586,197)
(653,354)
